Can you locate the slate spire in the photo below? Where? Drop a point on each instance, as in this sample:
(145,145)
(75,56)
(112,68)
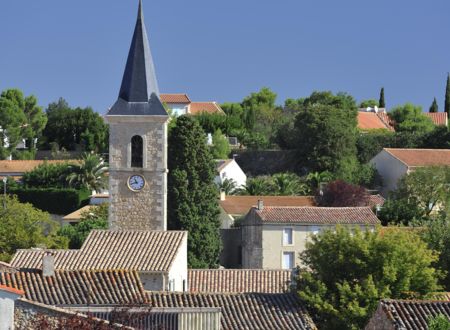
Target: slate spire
(139,83)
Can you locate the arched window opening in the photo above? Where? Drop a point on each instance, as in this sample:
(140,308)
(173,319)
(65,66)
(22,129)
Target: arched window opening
(137,151)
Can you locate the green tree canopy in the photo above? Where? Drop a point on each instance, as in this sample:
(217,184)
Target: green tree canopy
(90,173)
(48,175)
(20,118)
(95,218)
(326,134)
(220,148)
(381,102)
(368,103)
(75,128)
(434,106)
(347,272)
(409,118)
(22,227)
(192,194)
(439,322)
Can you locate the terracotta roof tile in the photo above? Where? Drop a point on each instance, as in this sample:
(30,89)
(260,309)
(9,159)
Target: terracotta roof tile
(196,108)
(239,280)
(11,289)
(438,118)
(372,120)
(76,215)
(78,287)
(421,157)
(240,205)
(175,98)
(106,250)
(243,310)
(7,268)
(375,200)
(413,314)
(22,166)
(317,215)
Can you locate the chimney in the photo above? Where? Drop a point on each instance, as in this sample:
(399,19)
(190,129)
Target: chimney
(260,205)
(223,195)
(48,264)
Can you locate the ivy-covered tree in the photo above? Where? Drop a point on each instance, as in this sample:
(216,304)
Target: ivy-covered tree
(381,102)
(348,271)
(434,106)
(22,227)
(192,194)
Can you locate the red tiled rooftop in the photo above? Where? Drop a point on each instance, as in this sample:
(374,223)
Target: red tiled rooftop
(22,166)
(421,157)
(438,118)
(371,120)
(318,215)
(209,107)
(175,98)
(11,289)
(243,204)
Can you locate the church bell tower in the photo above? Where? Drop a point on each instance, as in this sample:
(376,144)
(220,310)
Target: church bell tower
(138,143)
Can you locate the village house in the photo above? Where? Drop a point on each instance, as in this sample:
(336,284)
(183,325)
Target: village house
(392,164)
(181,104)
(159,257)
(15,169)
(407,314)
(229,169)
(274,237)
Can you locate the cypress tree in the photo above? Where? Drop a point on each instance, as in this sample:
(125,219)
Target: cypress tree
(447,96)
(381,103)
(434,106)
(192,194)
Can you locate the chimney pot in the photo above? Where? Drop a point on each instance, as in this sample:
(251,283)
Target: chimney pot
(260,205)
(48,265)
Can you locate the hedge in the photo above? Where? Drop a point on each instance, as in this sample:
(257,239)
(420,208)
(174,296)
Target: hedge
(53,200)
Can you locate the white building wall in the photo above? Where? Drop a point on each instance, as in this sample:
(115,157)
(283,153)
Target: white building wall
(177,109)
(273,247)
(178,272)
(7,309)
(390,169)
(232,172)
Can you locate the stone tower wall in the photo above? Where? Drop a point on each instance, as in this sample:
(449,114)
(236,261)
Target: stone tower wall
(146,209)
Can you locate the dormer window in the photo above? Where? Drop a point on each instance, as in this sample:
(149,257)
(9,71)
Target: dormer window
(137,151)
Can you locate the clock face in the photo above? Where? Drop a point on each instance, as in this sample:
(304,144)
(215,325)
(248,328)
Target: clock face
(136,182)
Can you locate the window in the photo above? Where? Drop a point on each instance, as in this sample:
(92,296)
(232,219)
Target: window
(288,260)
(288,238)
(315,230)
(137,151)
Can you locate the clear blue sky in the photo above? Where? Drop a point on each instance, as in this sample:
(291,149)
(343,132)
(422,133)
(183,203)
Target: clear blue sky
(223,50)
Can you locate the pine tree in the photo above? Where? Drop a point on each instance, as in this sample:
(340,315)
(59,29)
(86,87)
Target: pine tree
(447,96)
(381,102)
(192,194)
(434,106)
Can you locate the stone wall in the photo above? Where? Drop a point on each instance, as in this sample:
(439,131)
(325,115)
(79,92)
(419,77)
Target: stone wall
(146,209)
(231,255)
(379,321)
(267,162)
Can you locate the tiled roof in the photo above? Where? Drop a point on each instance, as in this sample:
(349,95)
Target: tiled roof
(375,200)
(11,289)
(243,204)
(7,268)
(76,215)
(371,120)
(412,314)
(222,163)
(78,287)
(243,310)
(239,280)
(386,119)
(174,98)
(209,107)
(32,258)
(113,249)
(317,215)
(421,157)
(22,166)
(438,118)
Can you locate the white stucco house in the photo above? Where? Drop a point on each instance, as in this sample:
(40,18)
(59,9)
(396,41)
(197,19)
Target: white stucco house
(181,104)
(274,237)
(8,296)
(392,164)
(229,169)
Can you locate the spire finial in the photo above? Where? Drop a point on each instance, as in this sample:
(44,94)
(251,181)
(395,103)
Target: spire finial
(140,11)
